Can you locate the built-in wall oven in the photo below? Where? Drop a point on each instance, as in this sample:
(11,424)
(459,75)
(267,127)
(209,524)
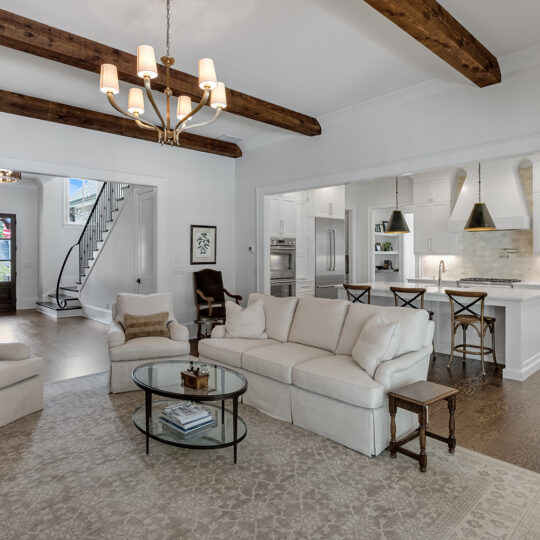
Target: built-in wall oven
(283,267)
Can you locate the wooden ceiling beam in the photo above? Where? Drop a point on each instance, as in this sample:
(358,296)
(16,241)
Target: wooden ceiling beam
(430,24)
(43,109)
(36,38)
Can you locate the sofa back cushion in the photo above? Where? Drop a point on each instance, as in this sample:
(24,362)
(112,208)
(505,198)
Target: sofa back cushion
(248,323)
(279,313)
(378,342)
(143,304)
(318,322)
(413,322)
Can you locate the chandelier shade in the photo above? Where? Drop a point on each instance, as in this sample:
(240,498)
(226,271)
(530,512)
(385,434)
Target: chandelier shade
(207,74)
(397,222)
(218,98)
(480,219)
(214,93)
(146,62)
(136,101)
(108,82)
(184,107)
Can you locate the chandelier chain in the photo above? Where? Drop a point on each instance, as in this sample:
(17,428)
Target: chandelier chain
(168,28)
(479,185)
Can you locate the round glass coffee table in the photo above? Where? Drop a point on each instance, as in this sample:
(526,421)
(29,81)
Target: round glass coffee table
(164,379)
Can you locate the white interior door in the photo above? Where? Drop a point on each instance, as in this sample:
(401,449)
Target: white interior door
(145,246)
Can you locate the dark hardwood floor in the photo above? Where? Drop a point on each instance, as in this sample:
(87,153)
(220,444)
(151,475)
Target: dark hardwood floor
(496,417)
(71,347)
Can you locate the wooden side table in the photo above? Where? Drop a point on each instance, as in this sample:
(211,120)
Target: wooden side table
(416,397)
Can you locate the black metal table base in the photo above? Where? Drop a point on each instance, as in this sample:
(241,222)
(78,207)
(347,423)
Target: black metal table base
(147,431)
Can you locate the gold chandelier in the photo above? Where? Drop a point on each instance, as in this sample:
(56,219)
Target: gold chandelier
(9,177)
(147,70)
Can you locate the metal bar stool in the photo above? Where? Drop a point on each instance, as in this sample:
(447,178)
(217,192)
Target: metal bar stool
(355,297)
(461,303)
(408,296)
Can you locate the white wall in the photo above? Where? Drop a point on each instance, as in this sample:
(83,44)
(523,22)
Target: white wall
(115,269)
(426,130)
(23,201)
(193,188)
(55,238)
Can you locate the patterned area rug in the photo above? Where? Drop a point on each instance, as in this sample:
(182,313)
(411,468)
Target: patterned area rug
(78,470)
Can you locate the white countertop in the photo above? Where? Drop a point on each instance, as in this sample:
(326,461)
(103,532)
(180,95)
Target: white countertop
(434,293)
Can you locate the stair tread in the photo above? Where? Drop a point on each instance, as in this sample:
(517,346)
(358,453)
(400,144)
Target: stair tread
(70,288)
(53,305)
(63,297)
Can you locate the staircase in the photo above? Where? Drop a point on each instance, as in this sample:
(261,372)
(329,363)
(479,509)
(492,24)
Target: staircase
(64,302)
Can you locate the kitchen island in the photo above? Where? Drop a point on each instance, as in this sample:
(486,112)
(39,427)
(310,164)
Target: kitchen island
(517,329)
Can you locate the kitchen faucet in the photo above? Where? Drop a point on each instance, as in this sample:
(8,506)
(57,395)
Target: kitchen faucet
(442,268)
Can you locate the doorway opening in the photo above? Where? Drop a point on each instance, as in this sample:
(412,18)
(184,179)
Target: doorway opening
(8,270)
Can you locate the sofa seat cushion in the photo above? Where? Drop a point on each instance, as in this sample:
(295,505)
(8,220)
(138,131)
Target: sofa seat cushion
(277,362)
(318,322)
(148,348)
(230,350)
(339,377)
(279,313)
(14,371)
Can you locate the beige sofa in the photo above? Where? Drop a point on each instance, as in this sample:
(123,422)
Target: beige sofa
(124,356)
(21,382)
(304,372)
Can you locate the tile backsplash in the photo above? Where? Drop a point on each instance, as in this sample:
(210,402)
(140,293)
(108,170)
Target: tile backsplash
(481,257)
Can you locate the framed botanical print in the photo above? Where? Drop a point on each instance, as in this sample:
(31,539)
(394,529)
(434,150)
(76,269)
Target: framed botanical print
(203,244)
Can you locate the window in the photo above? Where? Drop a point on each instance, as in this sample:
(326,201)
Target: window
(80,196)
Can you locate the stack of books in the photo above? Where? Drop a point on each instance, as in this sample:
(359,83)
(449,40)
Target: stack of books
(185,418)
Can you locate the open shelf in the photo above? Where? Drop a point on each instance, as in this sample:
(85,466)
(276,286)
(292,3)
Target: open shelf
(386,252)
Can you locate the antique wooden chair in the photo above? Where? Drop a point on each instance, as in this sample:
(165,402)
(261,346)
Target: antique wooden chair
(461,303)
(357,293)
(210,298)
(412,297)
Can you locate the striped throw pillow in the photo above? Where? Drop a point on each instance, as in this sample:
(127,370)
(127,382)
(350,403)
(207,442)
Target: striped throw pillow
(137,326)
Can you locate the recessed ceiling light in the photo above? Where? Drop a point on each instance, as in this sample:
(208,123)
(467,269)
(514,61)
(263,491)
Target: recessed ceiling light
(9,177)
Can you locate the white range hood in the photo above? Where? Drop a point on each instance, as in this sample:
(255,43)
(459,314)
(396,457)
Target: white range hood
(502,191)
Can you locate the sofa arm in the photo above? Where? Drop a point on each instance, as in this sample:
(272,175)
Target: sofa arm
(115,336)
(177,331)
(218,331)
(406,369)
(14,351)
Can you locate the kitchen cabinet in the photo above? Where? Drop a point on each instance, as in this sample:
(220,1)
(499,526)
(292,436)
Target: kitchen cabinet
(301,240)
(281,212)
(305,288)
(327,202)
(431,192)
(431,234)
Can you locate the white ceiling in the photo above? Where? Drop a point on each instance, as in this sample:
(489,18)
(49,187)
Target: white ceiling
(314,56)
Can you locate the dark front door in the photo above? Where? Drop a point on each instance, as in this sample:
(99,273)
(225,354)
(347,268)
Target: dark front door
(8,297)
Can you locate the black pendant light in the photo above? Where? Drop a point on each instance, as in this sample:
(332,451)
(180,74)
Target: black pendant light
(480,218)
(397,223)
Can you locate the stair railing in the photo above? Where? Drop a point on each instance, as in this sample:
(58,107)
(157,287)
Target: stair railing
(96,225)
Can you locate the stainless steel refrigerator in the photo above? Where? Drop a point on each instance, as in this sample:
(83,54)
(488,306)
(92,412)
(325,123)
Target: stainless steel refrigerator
(329,256)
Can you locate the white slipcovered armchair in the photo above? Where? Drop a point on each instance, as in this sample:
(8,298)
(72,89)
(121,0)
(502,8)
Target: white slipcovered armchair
(124,356)
(21,382)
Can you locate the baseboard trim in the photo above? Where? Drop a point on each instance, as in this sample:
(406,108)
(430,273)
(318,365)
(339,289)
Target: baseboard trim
(531,366)
(26,303)
(97,314)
